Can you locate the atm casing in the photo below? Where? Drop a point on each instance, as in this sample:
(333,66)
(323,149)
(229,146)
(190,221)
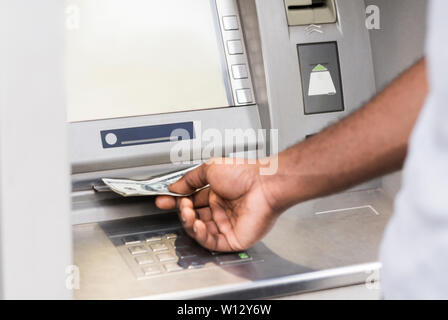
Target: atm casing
(319,244)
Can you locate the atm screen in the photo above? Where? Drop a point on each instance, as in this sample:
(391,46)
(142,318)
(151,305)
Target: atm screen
(140,57)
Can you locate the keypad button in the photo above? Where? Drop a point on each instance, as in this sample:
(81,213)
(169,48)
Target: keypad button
(153,238)
(171,236)
(184,241)
(233,258)
(157,247)
(148,271)
(132,240)
(137,250)
(172,267)
(144,260)
(166,257)
(191,263)
(186,252)
(172,242)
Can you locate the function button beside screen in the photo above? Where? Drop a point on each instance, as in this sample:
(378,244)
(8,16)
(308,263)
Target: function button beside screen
(137,250)
(235,47)
(144,260)
(230,23)
(239,71)
(244,96)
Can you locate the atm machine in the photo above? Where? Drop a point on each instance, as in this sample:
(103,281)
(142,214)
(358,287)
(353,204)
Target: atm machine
(138,71)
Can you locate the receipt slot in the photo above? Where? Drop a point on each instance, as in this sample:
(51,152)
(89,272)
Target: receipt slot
(304,12)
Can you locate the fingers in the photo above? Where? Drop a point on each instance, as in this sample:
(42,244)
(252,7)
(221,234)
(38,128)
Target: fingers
(206,238)
(188,217)
(200,200)
(192,181)
(205,214)
(211,227)
(166,202)
(219,214)
(201,224)
(188,213)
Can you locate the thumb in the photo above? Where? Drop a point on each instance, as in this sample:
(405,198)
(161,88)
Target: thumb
(192,181)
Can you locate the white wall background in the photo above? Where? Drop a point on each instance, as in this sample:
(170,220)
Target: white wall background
(35,231)
(395,48)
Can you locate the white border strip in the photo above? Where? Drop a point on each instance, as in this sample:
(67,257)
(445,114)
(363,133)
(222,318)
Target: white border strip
(349,209)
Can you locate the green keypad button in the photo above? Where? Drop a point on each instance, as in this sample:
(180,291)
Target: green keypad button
(244,255)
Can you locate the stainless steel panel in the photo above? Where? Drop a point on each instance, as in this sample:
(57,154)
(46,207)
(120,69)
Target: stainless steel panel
(279,46)
(279,43)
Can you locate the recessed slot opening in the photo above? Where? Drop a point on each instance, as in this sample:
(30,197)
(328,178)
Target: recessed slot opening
(314,5)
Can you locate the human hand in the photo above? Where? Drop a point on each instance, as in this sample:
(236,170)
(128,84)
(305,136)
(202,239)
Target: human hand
(233,214)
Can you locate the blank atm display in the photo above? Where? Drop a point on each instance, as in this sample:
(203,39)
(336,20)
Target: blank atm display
(139,57)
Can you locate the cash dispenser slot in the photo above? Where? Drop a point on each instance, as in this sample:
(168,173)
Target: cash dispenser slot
(313,5)
(305,12)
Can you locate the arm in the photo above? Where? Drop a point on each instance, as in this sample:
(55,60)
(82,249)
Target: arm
(241,205)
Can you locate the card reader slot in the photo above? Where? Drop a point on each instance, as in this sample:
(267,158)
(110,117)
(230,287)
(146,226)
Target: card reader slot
(152,140)
(308,12)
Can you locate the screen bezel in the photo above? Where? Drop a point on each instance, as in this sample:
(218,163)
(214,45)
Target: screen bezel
(88,155)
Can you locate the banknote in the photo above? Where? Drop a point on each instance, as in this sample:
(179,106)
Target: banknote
(151,187)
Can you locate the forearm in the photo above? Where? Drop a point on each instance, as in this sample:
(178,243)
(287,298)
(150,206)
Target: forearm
(371,142)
